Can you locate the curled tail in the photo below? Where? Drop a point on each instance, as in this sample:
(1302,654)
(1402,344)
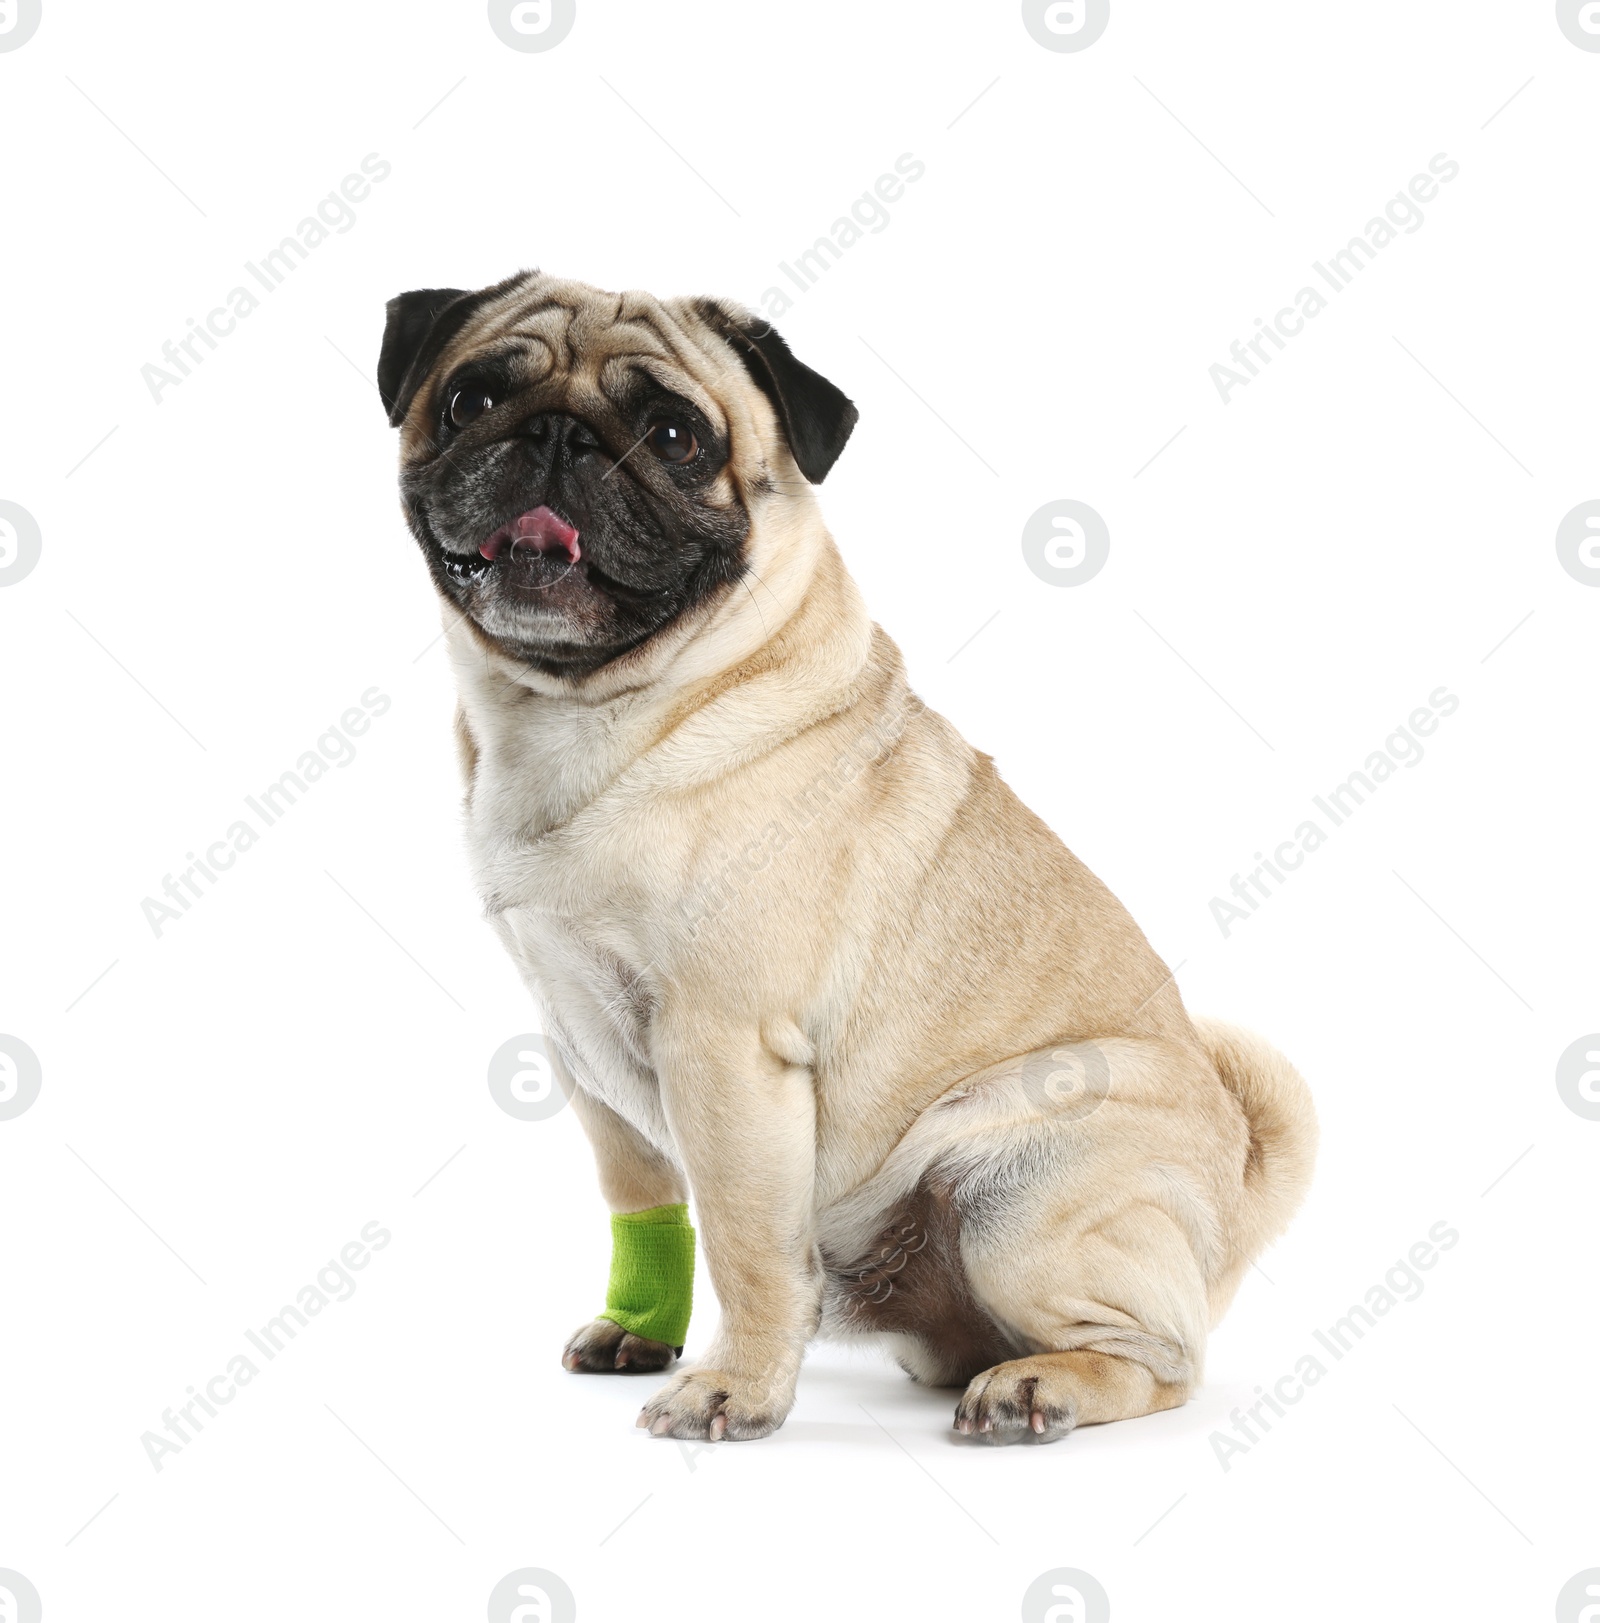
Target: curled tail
(1283,1144)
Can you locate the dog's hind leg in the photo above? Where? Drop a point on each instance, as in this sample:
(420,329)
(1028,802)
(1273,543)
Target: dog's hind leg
(1111,1305)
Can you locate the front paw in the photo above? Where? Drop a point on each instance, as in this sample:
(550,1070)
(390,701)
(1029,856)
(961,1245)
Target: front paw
(713,1404)
(602,1347)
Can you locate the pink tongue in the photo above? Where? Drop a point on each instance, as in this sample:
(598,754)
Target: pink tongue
(538,531)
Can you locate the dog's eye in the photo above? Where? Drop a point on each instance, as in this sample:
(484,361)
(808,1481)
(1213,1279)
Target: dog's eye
(672,442)
(468,404)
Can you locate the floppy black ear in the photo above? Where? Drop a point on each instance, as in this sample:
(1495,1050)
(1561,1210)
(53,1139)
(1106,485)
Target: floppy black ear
(420,325)
(411,319)
(817,417)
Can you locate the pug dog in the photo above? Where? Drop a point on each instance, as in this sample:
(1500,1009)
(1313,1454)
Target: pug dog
(803,957)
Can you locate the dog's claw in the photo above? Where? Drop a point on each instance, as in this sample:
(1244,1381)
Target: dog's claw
(1027,1398)
(602,1347)
(718,1406)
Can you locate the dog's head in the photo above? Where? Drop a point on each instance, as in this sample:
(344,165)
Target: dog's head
(582,469)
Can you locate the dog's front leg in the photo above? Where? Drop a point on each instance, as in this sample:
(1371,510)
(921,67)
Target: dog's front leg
(745,1126)
(645,1319)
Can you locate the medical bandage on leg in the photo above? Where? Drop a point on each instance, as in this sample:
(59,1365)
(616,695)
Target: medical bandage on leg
(651,1289)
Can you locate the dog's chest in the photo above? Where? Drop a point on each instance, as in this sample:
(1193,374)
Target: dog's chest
(598,1002)
(565,910)
(598,1005)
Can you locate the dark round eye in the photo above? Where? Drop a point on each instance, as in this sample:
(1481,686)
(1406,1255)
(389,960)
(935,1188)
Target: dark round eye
(672,442)
(468,404)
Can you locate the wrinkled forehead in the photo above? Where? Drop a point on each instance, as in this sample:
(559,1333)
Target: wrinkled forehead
(595,347)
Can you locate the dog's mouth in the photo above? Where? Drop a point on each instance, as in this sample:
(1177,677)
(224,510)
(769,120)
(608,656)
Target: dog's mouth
(554,598)
(533,552)
(542,531)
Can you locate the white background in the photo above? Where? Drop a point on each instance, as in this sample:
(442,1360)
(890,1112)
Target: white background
(301,1052)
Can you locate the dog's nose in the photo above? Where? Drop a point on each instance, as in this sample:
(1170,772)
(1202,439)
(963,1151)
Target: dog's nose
(555,432)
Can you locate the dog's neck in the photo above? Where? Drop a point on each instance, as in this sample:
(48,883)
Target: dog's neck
(776,652)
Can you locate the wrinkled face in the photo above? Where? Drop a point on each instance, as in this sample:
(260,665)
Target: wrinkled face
(580,467)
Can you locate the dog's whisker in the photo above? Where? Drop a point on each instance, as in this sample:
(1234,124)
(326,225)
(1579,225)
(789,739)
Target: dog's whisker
(752,596)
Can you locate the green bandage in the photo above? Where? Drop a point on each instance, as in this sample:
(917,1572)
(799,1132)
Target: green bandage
(651,1290)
